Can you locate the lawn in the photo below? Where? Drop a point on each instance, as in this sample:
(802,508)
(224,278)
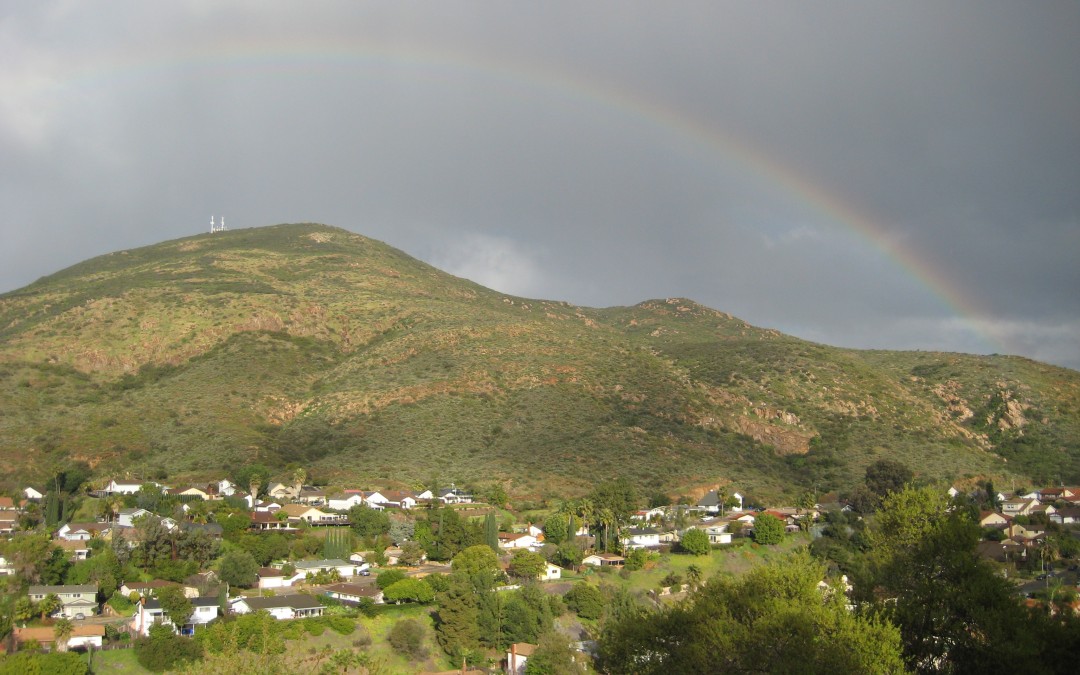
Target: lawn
(117,662)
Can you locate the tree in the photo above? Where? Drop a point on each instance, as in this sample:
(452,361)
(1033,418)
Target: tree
(694,576)
(476,560)
(768,529)
(556,528)
(49,605)
(773,619)
(525,564)
(388,578)
(62,631)
(409,590)
(407,639)
(238,568)
(176,605)
(411,554)
(456,620)
(955,612)
(491,532)
(585,600)
(554,656)
(695,542)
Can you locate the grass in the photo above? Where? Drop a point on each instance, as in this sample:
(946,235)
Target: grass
(117,662)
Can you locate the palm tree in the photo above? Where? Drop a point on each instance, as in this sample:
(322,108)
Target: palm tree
(62,630)
(693,576)
(49,605)
(299,476)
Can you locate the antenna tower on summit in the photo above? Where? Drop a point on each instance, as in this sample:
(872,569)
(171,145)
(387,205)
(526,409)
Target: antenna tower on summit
(217,228)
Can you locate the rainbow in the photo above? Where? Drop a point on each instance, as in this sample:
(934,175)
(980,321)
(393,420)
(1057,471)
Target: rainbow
(696,134)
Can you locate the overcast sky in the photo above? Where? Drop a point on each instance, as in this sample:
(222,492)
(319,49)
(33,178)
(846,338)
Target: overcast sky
(885,175)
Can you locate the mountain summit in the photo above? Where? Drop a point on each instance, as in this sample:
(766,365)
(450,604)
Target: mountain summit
(310,344)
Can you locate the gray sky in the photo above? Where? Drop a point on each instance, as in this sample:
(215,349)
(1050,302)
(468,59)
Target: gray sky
(889,175)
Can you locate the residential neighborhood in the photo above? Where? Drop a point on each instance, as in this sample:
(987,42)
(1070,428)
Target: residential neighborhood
(197,555)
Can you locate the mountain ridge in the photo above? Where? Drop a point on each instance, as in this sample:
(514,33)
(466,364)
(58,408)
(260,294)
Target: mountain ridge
(311,344)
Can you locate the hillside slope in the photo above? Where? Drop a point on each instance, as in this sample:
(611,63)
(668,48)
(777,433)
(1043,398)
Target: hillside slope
(310,344)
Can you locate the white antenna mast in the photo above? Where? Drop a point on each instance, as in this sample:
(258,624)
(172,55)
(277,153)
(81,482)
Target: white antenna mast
(212,228)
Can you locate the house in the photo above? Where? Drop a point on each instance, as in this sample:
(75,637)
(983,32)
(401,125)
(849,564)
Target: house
(83,531)
(33,494)
(192,491)
(9,521)
(281,607)
(6,567)
(262,506)
(82,637)
(352,594)
(1019,506)
(454,495)
(150,613)
(77,601)
(7,504)
(994,520)
(401,499)
(712,502)
(717,530)
(536,532)
(517,656)
(375,500)
(264,520)
(551,573)
(343,501)
(313,516)
(311,495)
(1004,552)
(127,517)
(145,588)
(392,554)
(279,490)
(1066,516)
(1053,494)
(274,577)
(641,537)
(115,487)
(604,560)
(645,515)
(512,540)
(76,550)
(226,488)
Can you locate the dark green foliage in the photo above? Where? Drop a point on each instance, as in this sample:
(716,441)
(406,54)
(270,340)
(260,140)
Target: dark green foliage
(388,578)
(409,590)
(164,650)
(525,564)
(176,605)
(238,568)
(407,638)
(774,619)
(256,632)
(367,522)
(768,529)
(585,600)
(554,656)
(695,542)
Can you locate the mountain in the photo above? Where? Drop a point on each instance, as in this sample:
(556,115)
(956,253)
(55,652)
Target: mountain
(310,344)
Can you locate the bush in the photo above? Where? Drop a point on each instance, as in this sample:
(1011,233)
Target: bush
(407,639)
(409,590)
(56,663)
(695,542)
(162,652)
(586,600)
(768,529)
(389,578)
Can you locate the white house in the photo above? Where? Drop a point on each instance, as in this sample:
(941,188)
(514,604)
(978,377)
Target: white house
(116,487)
(512,540)
(32,494)
(375,500)
(604,560)
(1019,507)
(127,517)
(343,568)
(345,500)
(551,573)
(281,607)
(203,611)
(83,531)
(641,537)
(717,531)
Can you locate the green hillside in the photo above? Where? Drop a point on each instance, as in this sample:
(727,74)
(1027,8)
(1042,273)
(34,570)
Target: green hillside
(310,344)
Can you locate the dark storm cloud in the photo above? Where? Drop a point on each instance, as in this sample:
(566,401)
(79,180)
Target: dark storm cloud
(575,150)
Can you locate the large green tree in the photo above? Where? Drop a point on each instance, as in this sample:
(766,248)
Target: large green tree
(775,619)
(695,541)
(768,529)
(238,568)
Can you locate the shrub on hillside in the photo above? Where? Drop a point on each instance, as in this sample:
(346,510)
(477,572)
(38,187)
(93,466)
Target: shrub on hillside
(407,639)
